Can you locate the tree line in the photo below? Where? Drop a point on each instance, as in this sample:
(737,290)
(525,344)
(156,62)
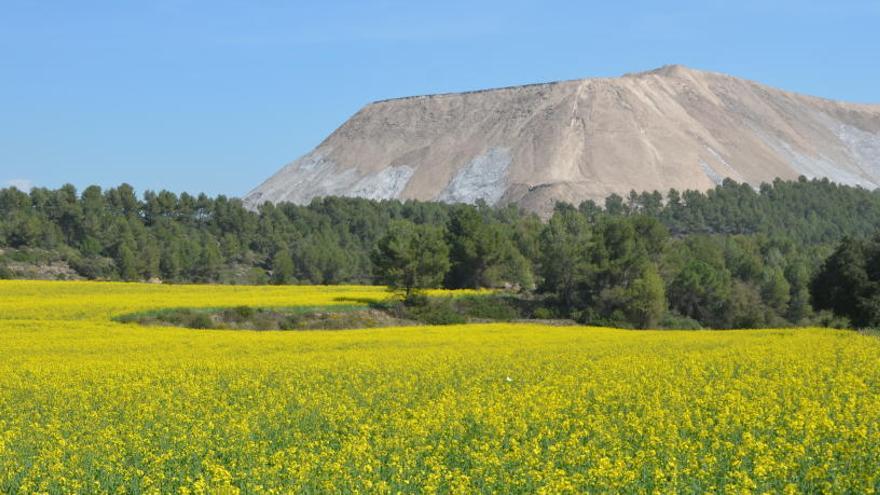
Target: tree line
(733,256)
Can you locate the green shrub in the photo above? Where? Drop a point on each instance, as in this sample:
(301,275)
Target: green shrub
(262,321)
(239,313)
(201,321)
(290,322)
(257,276)
(439,312)
(487,307)
(93,267)
(178,317)
(543,313)
(416,300)
(675,321)
(827,319)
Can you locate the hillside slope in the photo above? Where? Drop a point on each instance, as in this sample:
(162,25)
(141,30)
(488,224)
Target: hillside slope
(673,127)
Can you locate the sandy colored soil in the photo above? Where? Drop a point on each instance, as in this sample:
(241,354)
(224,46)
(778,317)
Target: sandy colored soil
(673,127)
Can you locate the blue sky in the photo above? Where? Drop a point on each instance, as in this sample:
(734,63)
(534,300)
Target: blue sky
(215,96)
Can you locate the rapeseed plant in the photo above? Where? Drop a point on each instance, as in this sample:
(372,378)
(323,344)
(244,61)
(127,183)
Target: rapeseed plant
(88,405)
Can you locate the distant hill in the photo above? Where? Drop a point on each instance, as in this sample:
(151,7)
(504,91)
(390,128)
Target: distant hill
(673,127)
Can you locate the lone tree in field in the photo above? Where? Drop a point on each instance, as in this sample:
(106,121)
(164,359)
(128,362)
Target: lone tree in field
(410,257)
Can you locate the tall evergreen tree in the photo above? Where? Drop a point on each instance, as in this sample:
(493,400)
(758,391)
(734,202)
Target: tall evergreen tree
(411,257)
(282,267)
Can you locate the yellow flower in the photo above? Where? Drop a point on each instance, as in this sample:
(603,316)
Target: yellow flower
(91,405)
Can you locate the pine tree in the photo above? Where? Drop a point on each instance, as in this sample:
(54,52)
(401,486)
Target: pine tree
(646,298)
(776,291)
(282,267)
(126,263)
(411,257)
(210,260)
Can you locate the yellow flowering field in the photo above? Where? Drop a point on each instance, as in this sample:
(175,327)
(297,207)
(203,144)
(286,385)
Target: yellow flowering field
(88,405)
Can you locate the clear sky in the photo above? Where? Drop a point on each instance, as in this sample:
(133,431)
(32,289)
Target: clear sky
(216,95)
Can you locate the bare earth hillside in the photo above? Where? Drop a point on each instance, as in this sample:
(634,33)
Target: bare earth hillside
(673,127)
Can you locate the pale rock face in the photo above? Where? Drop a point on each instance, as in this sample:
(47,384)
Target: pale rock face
(716,177)
(296,182)
(575,140)
(384,184)
(864,145)
(484,178)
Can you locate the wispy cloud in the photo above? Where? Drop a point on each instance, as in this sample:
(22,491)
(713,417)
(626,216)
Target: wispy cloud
(20,184)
